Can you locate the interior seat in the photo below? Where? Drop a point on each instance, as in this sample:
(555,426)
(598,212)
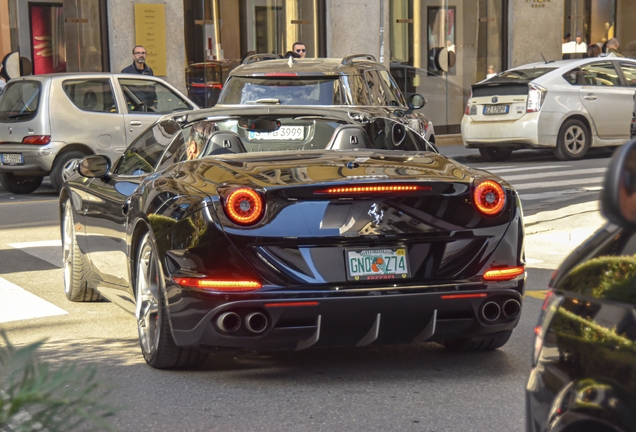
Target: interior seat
(222,142)
(349,137)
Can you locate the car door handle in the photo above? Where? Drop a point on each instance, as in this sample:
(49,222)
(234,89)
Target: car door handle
(589,97)
(135,123)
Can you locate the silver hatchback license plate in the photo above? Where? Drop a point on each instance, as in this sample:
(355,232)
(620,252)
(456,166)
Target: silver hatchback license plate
(377,264)
(12,159)
(496,109)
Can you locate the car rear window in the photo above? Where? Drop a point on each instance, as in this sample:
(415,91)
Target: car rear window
(523,74)
(243,90)
(20,101)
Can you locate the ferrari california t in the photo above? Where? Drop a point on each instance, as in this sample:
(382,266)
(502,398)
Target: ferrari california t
(289,228)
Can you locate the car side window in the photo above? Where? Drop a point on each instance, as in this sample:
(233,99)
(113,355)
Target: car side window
(573,76)
(356,89)
(600,74)
(392,91)
(150,96)
(629,70)
(143,155)
(377,90)
(94,95)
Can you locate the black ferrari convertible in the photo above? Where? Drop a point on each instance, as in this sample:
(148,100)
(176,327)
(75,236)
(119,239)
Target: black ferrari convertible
(290,228)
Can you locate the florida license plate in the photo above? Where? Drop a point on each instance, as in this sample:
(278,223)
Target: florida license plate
(377,264)
(12,159)
(496,109)
(282,134)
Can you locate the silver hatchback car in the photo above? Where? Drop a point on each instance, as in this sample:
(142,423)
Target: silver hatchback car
(48,120)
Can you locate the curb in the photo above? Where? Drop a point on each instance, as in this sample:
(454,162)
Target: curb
(448,140)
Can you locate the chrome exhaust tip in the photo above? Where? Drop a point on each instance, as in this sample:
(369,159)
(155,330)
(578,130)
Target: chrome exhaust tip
(490,311)
(228,322)
(256,322)
(511,308)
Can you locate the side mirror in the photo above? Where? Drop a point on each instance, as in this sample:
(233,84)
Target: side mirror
(618,198)
(96,166)
(417,101)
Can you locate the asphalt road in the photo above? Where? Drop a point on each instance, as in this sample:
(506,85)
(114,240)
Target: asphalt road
(421,387)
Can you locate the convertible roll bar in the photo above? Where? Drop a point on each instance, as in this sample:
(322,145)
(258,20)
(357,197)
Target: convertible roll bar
(260,57)
(349,59)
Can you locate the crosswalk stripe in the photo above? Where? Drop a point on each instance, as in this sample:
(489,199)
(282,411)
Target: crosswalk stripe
(554,174)
(506,169)
(19,304)
(555,194)
(47,250)
(551,184)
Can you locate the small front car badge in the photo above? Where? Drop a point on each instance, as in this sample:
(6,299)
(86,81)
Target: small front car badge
(376,213)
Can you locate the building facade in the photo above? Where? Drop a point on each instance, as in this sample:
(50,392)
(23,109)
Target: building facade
(434,47)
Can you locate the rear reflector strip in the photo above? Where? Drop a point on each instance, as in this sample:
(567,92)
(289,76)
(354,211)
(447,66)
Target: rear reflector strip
(463,296)
(372,189)
(503,274)
(217,285)
(36,139)
(281,74)
(292,304)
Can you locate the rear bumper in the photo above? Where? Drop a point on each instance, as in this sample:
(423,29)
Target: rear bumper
(38,160)
(526,132)
(296,321)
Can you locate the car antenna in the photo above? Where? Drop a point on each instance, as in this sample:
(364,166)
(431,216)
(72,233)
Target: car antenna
(546,61)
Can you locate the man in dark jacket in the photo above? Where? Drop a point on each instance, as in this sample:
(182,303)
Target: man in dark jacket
(612,47)
(138,65)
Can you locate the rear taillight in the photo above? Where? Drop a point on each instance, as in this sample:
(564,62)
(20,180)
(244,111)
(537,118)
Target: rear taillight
(489,197)
(504,274)
(468,110)
(536,96)
(371,189)
(36,139)
(281,74)
(218,285)
(244,206)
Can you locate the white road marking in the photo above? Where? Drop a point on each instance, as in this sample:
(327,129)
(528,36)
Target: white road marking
(554,174)
(558,183)
(505,169)
(555,194)
(19,304)
(48,250)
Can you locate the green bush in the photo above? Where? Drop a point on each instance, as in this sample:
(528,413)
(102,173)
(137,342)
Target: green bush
(37,397)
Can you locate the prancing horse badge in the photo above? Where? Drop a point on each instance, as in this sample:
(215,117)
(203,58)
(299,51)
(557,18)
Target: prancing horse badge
(376,213)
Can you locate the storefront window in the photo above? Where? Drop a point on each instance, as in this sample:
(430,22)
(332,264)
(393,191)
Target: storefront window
(587,22)
(438,49)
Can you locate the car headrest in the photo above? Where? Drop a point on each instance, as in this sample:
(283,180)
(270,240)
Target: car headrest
(349,137)
(221,142)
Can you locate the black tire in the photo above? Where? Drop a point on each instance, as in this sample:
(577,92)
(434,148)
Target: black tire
(153,325)
(495,154)
(74,263)
(479,343)
(20,184)
(61,161)
(573,141)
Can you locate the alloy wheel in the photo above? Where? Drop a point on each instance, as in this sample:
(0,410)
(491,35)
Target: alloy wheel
(574,140)
(148,296)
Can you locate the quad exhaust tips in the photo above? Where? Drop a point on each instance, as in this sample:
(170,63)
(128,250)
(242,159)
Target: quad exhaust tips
(511,308)
(490,311)
(228,322)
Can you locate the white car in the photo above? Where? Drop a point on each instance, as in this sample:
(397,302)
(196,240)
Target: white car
(568,106)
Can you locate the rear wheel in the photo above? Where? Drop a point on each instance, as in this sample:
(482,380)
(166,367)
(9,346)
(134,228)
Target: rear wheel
(57,172)
(573,141)
(155,338)
(478,343)
(20,184)
(495,154)
(75,274)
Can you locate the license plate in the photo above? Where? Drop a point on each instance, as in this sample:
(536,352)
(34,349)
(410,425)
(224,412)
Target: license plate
(496,109)
(377,264)
(12,159)
(283,133)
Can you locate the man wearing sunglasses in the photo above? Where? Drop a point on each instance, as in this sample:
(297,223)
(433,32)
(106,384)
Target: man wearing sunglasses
(138,65)
(299,48)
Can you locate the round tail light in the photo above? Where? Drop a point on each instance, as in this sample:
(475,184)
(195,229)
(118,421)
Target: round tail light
(244,206)
(489,198)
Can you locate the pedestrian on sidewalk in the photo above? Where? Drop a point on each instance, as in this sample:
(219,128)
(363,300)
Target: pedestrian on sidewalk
(612,47)
(299,48)
(138,65)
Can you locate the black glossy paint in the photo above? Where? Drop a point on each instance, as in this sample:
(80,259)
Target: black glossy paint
(297,249)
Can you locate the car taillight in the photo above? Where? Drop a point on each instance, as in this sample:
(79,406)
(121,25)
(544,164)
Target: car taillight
(468,110)
(218,285)
(244,206)
(489,197)
(504,273)
(36,139)
(536,96)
